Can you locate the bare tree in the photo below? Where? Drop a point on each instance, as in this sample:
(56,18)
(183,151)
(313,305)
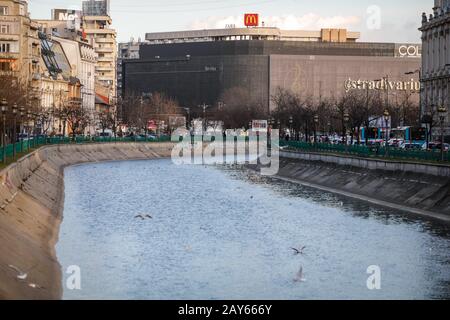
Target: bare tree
(239,109)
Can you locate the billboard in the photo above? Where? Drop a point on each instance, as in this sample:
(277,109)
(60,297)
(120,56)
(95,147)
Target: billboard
(71,16)
(251,20)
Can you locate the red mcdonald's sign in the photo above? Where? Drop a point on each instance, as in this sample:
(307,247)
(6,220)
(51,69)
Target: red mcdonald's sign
(251,20)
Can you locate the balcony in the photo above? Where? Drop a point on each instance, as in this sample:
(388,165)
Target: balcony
(104,68)
(104,50)
(105,59)
(9,37)
(9,55)
(98,18)
(100,31)
(105,40)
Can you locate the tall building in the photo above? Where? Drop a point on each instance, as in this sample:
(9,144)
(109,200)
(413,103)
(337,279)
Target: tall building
(65,28)
(19,42)
(97,28)
(436,63)
(127,50)
(197,67)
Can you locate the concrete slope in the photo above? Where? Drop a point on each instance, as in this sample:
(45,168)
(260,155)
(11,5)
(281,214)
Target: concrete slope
(31,200)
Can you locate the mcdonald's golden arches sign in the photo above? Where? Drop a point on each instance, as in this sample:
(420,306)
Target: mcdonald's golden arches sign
(251,20)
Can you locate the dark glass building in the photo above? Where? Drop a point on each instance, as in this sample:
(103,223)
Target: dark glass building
(197,67)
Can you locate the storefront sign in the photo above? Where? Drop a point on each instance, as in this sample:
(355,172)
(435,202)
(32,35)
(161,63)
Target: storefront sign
(408,51)
(412,85)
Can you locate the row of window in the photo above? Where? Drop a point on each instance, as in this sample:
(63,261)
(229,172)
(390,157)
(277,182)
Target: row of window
(5,47)
(4,11)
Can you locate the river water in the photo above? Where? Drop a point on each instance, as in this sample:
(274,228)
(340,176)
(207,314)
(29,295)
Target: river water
(226,233)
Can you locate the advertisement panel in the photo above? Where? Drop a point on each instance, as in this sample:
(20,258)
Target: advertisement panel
(71,16)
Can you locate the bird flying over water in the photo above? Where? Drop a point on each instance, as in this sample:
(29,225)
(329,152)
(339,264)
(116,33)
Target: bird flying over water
(144,216)
(298,251)
(299,277)
(20,274)
(35,286)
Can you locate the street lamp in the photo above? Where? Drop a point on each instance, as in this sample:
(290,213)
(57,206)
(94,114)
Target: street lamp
(316,123)
(386,116)
(14,112)
(442,114)
(22,125)
(346,119)
(291,123)
(4,109)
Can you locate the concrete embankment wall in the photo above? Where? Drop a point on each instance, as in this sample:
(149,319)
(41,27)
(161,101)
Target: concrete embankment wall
(417,188)
(31,200)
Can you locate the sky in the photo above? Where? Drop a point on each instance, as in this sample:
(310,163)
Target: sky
(377,20)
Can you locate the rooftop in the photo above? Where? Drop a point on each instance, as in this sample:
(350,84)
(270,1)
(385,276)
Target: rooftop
(324,35)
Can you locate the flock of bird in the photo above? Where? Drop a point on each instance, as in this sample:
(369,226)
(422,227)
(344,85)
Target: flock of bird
(23,276)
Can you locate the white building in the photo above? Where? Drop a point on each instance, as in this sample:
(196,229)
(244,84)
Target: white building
(436,63)
(82,59)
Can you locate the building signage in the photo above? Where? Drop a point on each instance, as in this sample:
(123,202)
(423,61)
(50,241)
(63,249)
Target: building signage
(260,125)
(408,51)
(411,85)
(251,20)
(72,17)
(66,14)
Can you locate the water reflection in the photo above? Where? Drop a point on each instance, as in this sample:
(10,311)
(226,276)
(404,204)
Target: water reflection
(226,233)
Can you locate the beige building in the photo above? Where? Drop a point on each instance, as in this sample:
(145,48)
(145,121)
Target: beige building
(19,43)
(97,28)
(436,62)
(236,34)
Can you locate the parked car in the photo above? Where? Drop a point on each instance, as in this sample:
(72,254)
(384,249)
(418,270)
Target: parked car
(434,146)
(412,146)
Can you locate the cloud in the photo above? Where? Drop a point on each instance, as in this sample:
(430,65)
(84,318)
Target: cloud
(308,21)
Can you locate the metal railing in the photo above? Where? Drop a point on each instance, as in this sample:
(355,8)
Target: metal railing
(29,144)
(369,151)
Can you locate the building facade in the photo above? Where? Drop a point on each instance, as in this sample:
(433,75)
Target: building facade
(197,67)
(435,75)
(82,59)
(127,50)
(19,43)
(97,28)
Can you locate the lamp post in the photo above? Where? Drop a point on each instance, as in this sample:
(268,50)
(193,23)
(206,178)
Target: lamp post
(4,109)
(22,126)
(346,119)
(204,106)
(316,123)
(14,113)
(291,130)
(442,114)
(386,116)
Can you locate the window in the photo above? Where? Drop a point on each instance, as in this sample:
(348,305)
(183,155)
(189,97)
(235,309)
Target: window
(3,11)
(5,47)
(4,29)
(5,66)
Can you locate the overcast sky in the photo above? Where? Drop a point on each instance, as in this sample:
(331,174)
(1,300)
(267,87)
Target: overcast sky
(377,20)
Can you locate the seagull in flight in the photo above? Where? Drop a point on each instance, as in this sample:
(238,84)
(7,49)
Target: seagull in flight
(144,216)
(298,251)
(20,274)
(299,277)
(35,286)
